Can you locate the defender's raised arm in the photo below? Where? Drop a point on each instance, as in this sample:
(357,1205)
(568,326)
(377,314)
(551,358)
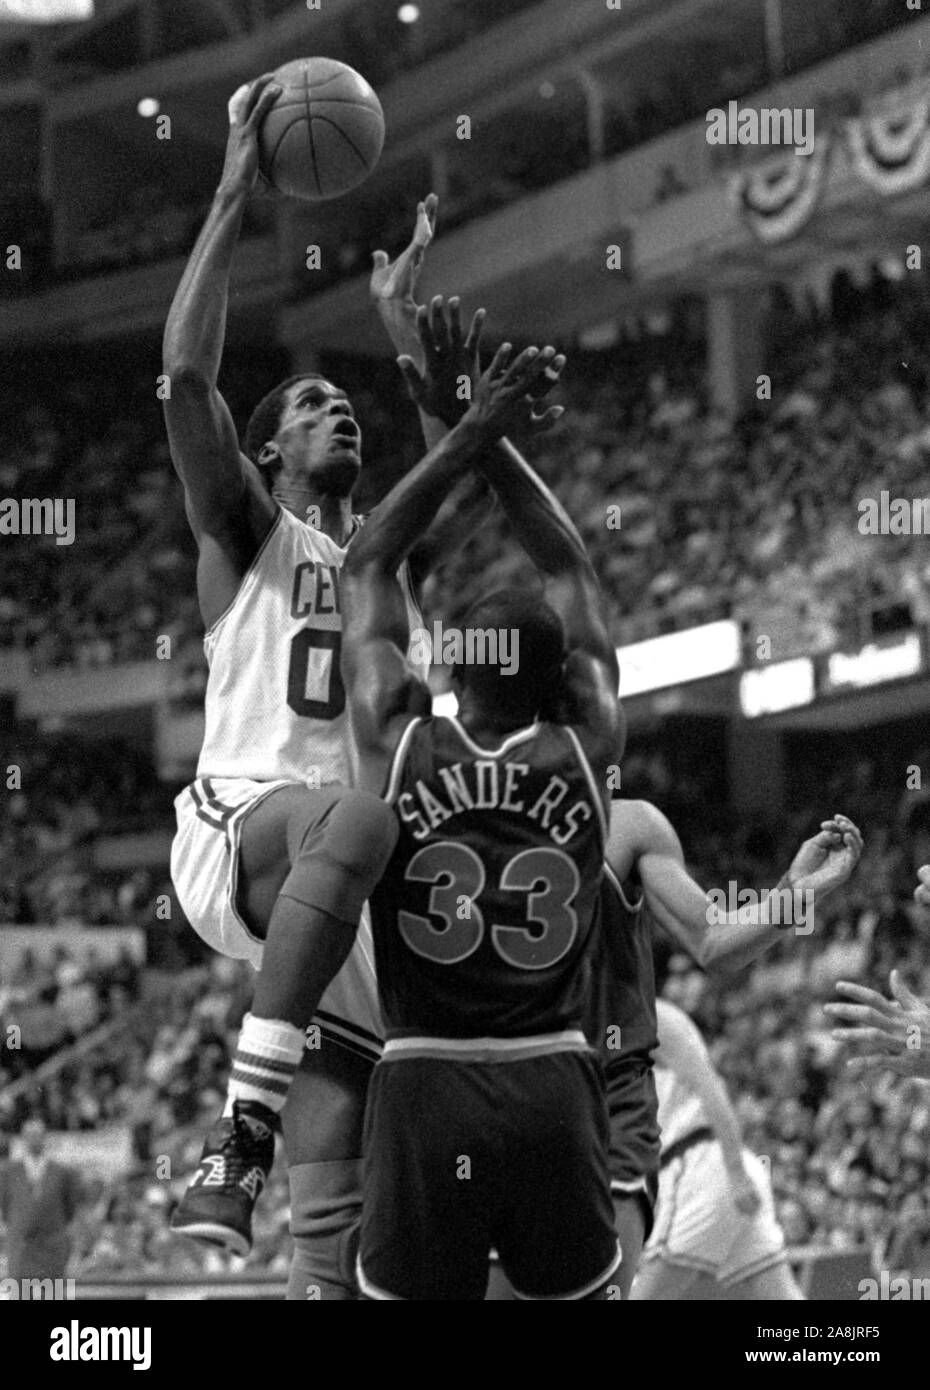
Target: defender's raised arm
(382,692)
(550,538)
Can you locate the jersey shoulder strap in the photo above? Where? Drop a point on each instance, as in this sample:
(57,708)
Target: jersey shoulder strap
(395,773)
(630,892)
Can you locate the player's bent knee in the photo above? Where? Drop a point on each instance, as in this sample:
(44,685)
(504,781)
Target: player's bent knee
(358,835)
(338,857)
(326,1210)
(362,832)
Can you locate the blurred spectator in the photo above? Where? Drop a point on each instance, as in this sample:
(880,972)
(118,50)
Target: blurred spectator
(39,1199)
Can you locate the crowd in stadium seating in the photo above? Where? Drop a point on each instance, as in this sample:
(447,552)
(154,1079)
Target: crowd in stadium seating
(156,1075)
(755,518)
(69,792)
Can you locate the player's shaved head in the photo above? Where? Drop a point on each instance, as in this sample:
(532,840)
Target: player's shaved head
(519,689)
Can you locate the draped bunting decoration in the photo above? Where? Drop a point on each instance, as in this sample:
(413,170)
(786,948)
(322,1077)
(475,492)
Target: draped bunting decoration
(891,151)
(776,198)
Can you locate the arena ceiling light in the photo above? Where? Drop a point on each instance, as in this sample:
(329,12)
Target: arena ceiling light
(679,657)
(408,14)
(771,689)
(45,11)
(148,107)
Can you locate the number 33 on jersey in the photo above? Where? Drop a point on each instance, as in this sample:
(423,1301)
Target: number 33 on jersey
(483,915)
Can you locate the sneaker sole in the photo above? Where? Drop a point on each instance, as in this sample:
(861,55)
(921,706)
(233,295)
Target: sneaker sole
(212,1233)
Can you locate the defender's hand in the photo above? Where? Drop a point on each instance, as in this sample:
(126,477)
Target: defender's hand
(393,284)
(247,109)
(884,1034)
(448,362)
(506,396)
(922,891)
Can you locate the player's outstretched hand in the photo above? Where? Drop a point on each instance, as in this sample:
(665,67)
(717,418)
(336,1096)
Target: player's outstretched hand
(922,891)
(509,394)
(883,1034)
(828,858)
(247,109)
(744,1193)
(450,371)
(393,284)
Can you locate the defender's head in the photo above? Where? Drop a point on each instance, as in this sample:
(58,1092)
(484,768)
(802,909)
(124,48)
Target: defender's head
(305,432)
(526,638)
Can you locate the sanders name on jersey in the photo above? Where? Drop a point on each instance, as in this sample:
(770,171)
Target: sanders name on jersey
(485,785)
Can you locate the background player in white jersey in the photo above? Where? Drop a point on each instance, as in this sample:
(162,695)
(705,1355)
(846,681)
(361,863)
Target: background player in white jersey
(715,1232)
(270,848)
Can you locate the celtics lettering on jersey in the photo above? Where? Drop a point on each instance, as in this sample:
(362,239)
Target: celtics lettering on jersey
(482,919)
(275,702)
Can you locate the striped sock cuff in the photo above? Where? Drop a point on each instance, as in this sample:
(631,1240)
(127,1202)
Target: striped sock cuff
(265,1060)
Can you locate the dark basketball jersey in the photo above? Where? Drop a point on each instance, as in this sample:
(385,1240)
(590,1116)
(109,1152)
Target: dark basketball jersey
(483,917)
(620,1023)
(620,1017)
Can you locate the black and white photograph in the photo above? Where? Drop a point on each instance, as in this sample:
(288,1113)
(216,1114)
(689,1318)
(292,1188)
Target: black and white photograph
(464,666)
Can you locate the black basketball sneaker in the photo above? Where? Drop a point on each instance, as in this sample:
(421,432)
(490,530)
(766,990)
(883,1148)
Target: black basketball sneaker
(234,1166)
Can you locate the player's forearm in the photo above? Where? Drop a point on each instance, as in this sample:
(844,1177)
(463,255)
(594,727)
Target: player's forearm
(196,326)
(400,323)
(539,521)
(719,943)
(459,518)
(722,1119)
(397,523)
(733,947)
(735,939)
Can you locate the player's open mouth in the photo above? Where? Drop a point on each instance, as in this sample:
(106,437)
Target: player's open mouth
(347,432)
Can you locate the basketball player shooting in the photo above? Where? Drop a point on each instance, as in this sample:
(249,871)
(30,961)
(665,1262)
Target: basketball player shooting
(271,848)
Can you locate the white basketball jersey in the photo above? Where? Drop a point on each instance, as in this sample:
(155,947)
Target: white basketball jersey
(680,1110)
(275,704)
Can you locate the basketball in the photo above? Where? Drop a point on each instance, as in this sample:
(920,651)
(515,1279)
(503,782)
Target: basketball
(324,134)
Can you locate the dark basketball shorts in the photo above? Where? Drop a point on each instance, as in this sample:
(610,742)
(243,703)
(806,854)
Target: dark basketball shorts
(633,1149)
(466,1156)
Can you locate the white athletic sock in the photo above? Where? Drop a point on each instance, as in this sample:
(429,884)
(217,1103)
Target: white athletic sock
(267,1055)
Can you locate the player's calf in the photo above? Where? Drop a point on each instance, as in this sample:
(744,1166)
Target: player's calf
(337,854)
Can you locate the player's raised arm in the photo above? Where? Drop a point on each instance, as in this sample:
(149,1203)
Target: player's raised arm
(550,538)
(381,691)
(393,288)
(719,940)
(443,357)
(224,493)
